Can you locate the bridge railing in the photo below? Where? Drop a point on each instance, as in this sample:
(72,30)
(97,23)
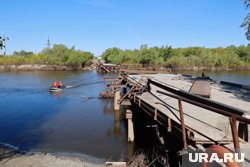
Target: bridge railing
(234,114)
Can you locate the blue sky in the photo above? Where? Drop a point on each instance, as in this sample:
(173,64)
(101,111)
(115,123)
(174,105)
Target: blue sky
(94,25)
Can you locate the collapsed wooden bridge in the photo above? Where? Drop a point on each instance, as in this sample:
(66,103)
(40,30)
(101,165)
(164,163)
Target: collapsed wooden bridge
(107,68)
(198,111)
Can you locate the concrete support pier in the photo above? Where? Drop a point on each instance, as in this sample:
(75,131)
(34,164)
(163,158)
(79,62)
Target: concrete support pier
(116,98)
(129,116)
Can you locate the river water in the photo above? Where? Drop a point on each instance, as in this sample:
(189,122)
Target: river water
(239,77)
(74,121)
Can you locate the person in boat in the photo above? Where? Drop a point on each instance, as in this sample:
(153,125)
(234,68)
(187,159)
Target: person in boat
(56,84)
(60,84)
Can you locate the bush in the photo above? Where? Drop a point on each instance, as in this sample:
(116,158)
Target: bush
(230,57)
(58,55)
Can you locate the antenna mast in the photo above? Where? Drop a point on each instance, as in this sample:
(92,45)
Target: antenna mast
(48,43)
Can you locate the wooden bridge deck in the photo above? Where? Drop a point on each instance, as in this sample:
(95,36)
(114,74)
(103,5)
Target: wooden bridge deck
(207,124)
(202,126)
(204,121)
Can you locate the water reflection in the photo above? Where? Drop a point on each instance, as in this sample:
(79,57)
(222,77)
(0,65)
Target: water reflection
(57,93)
(116,131)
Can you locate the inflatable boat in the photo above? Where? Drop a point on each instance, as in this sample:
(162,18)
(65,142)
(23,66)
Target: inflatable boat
(56,89)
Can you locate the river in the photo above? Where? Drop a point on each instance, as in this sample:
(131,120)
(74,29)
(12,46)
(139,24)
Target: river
(74,121)
(239,77)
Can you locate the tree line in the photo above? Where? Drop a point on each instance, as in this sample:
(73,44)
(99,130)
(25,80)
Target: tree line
(57,55)
(230,57)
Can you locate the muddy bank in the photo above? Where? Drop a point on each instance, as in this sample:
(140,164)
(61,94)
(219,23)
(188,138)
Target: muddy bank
(40,67)
(15,158)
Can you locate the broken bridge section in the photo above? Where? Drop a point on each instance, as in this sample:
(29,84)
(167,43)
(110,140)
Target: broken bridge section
(200,112)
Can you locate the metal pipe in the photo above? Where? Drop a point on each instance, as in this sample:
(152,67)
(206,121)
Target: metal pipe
(233,125)
(207,106)
(183,129)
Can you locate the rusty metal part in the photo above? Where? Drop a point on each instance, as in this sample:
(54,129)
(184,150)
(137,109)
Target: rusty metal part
(220,151)
(198,99)
(183,129)
(235,134)
(207,106)
(201,88)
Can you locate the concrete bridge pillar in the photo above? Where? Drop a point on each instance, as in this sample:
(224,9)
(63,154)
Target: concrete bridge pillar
(116,98)
(131,136)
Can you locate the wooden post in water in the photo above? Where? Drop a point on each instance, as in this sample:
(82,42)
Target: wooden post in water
(116,98)
(131,136)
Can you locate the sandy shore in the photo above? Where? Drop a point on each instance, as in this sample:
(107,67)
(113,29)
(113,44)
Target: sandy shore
(14,158)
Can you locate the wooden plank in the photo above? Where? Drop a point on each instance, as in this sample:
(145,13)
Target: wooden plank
(110,79)
(143,71)
(104,68)
(201,127)
(116,86)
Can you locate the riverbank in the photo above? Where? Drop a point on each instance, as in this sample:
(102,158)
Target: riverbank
(184,68)
(11,157)
(40,67)
(45,67)
(14,158)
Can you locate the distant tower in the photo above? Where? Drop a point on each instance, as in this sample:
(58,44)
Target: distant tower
(48,43)
(4,43)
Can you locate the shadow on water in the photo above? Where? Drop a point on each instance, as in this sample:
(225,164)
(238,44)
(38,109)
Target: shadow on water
(239,77)
(239,93)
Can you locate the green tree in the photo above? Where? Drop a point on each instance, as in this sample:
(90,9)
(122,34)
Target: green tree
(246,22)
(62,55)
(147,56)
(23,54)
(166,52)
(243,52)
(110,53)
